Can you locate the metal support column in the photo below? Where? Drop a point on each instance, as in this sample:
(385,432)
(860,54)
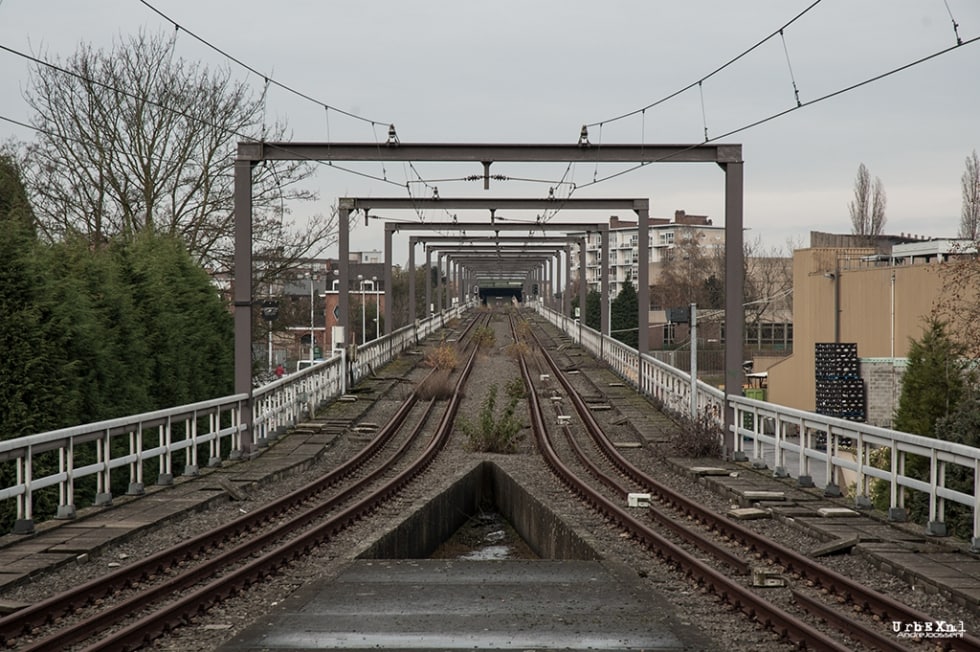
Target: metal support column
(604,300)
(643,278)
(461,273)
(387,288)
(583,283)
(427,310)
(439,288)
(243,296)
(343,255)
(734,283)
(412,308)
(565,299)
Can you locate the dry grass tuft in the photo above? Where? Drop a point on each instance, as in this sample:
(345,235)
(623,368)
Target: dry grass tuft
(443,356)
(435,385)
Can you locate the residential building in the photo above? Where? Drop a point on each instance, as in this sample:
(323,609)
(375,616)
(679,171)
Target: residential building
(307,306)
(693,240)
(664,234)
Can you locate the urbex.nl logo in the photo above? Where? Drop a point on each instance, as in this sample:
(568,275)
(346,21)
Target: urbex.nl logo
(928,629)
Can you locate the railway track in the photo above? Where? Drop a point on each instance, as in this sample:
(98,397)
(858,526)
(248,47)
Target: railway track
(710,548)
(172,586)
(833,600)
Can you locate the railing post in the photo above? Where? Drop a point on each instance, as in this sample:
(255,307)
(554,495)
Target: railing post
(861,498)
(214,419)
(136,487)
(103,483)
(166,476)
(936,527)
(975,541)
(190,453)
(25,508)
(805,479)
(833,472)
(66,488)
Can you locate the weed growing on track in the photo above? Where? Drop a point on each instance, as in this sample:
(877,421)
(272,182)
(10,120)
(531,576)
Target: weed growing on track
(443,356)
(490,433)
(515,388)
(484,337)
(699,437)
(436,385)
(518,350)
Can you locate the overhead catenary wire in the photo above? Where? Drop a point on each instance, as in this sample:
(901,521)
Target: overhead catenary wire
(711,74)
(175,110)
(573,187)
(779,114)
(254,71)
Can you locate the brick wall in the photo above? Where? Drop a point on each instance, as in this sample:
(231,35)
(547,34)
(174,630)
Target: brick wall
(883,384)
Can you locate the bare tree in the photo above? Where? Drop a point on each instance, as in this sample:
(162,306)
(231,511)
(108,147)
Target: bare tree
(768,286)
(970,216)
(684,272)
(136,139)
(958,304)
(767,289)
(868,208)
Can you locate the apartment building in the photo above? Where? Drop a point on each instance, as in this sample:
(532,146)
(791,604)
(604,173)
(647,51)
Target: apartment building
(664,234)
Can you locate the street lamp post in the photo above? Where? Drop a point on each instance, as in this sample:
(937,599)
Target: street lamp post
(360,279)
(312,322)
(377,308)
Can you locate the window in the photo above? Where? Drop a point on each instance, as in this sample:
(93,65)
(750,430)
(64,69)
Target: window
(667,238)
(778,336)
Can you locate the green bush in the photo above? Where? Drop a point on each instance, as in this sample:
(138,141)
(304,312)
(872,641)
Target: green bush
(493,434)
(484,337)
(515,388)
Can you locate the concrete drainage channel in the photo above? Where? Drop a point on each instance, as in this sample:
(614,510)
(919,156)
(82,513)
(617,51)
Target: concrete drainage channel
(484,491)
(396,596)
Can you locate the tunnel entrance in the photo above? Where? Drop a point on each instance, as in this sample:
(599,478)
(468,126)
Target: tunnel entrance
(492,295)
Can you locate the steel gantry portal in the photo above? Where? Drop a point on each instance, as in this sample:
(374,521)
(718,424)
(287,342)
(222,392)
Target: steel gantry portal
(727,156)
(499,241)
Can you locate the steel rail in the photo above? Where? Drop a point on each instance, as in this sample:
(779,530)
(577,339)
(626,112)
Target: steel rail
(884,607)
(873,639)
(57,606)
(83,629)
(54,607)
(770,616)
(184,608)
(661,518)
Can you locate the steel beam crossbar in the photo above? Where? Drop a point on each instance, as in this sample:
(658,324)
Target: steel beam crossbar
(501,203)
(480,153)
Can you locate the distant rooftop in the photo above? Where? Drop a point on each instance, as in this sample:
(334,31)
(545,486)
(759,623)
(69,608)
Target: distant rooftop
(936,247)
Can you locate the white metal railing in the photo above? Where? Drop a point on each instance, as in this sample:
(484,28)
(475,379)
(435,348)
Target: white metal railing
(280,405)
(90,456)
(801,444)
(125,445)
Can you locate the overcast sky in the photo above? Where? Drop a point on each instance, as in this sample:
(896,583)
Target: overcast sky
(517,71)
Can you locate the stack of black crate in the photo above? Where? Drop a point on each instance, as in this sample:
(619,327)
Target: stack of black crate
(840,389)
